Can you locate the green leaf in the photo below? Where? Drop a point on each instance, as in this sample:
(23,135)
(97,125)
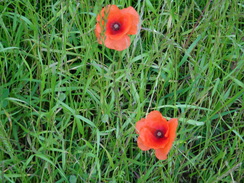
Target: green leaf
(72,179)
(191,121)
(4,93)
(150,6)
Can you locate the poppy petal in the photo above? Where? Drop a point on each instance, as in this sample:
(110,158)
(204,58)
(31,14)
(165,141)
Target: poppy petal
(98,34)
(155,116)
(106,11)
(155,119)
(139,125)
(150,140)
(162,153)
(134,19)
(102,19)
(124,22)
(118,45)
(98,28)
(173,123)
(141,145)
(114,25)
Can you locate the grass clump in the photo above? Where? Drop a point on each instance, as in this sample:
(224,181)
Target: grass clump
(68,106)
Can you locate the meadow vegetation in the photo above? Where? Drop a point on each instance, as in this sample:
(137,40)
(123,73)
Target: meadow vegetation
(68,105)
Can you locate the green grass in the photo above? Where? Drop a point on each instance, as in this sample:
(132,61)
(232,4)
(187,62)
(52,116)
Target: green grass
(68,106)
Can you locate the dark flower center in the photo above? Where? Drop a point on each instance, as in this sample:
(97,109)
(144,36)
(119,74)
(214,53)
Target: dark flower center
(116,26)
(159,134)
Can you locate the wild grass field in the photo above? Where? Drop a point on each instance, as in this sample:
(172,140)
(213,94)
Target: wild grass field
(68,105)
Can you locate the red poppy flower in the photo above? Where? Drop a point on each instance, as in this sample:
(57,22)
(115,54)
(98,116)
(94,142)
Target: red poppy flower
(114,25)
(155,132)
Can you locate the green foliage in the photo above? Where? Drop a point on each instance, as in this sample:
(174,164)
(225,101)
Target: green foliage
(68,106)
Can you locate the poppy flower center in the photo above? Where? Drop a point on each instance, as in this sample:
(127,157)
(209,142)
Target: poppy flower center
(116,26)
(159,134)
